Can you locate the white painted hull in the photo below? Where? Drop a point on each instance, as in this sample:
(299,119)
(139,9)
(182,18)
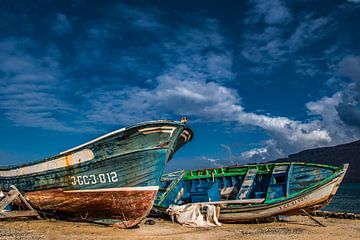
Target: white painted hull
(313,200)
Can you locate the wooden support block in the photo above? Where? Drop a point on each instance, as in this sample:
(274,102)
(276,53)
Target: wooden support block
(9,198)
(17,214)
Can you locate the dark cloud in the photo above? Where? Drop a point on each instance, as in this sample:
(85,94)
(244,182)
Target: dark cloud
(350,67)
(349,114)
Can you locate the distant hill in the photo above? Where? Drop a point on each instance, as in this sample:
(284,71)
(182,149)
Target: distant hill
(337,155)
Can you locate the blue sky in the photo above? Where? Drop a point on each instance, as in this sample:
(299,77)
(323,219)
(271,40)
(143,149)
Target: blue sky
(258,80)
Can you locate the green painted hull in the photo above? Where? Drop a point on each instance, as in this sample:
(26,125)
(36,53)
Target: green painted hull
(252,192)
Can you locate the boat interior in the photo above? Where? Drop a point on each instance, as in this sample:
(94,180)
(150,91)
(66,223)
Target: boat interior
(249,184)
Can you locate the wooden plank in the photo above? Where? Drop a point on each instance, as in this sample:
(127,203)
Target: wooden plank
(247,184)
(238,201)
(278,182)
(312,218)
(8,198)
(288,179)
(17,214)
(22,198)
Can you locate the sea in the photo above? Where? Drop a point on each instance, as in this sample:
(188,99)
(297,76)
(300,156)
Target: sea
(347,199)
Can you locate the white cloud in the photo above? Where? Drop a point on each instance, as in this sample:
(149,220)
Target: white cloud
(207,101)
(340,113)
(213,162)
(338,121)
(262,154)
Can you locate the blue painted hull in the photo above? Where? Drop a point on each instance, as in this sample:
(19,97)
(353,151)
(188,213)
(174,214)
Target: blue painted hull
(127,162)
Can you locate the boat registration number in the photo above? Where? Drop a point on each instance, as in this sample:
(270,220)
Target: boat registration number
(94,179)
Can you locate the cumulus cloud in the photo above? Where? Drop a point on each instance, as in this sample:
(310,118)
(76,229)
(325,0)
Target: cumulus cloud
(327,109)
(262,154)
(208,101)
(338,122)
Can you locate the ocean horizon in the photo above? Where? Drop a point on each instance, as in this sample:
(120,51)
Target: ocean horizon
(347,199)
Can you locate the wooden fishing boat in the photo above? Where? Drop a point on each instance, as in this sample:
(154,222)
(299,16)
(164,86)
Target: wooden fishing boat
(253,192)
(115,176)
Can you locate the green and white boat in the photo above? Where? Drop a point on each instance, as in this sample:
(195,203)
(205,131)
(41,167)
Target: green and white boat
(253,192)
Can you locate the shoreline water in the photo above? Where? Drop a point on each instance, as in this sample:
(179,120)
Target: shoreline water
(347,199)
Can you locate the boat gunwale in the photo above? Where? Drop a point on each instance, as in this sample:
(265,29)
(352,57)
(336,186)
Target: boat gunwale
(213,173)
(84,164)
(92,142)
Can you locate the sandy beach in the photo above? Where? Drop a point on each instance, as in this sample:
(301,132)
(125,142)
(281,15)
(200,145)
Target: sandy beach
(295,227)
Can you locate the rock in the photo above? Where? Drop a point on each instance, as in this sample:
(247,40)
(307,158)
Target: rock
(149,222)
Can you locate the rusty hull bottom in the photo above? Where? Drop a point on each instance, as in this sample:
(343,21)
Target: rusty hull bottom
(127,206)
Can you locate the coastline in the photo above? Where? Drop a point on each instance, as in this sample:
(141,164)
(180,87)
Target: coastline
(294,227)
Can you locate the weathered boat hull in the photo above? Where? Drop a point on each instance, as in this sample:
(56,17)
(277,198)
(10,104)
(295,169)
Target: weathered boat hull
(271,190)
(309,202)
(115,176)
(127,206)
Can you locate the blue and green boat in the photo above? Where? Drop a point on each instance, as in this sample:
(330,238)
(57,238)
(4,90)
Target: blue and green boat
(253,192)
(115,176)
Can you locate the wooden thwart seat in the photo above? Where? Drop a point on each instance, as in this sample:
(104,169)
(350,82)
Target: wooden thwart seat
(9,198)
(240,201)
(247,184)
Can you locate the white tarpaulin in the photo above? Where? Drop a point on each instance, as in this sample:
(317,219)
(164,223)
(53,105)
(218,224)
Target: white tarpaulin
(190,214)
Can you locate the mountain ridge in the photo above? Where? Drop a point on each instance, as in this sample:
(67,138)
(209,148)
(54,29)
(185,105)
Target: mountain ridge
(335,155)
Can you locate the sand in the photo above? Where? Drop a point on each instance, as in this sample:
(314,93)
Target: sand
(295,227)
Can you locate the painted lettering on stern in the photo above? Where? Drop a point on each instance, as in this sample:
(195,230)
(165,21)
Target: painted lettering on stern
(94,179)
(293,203)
